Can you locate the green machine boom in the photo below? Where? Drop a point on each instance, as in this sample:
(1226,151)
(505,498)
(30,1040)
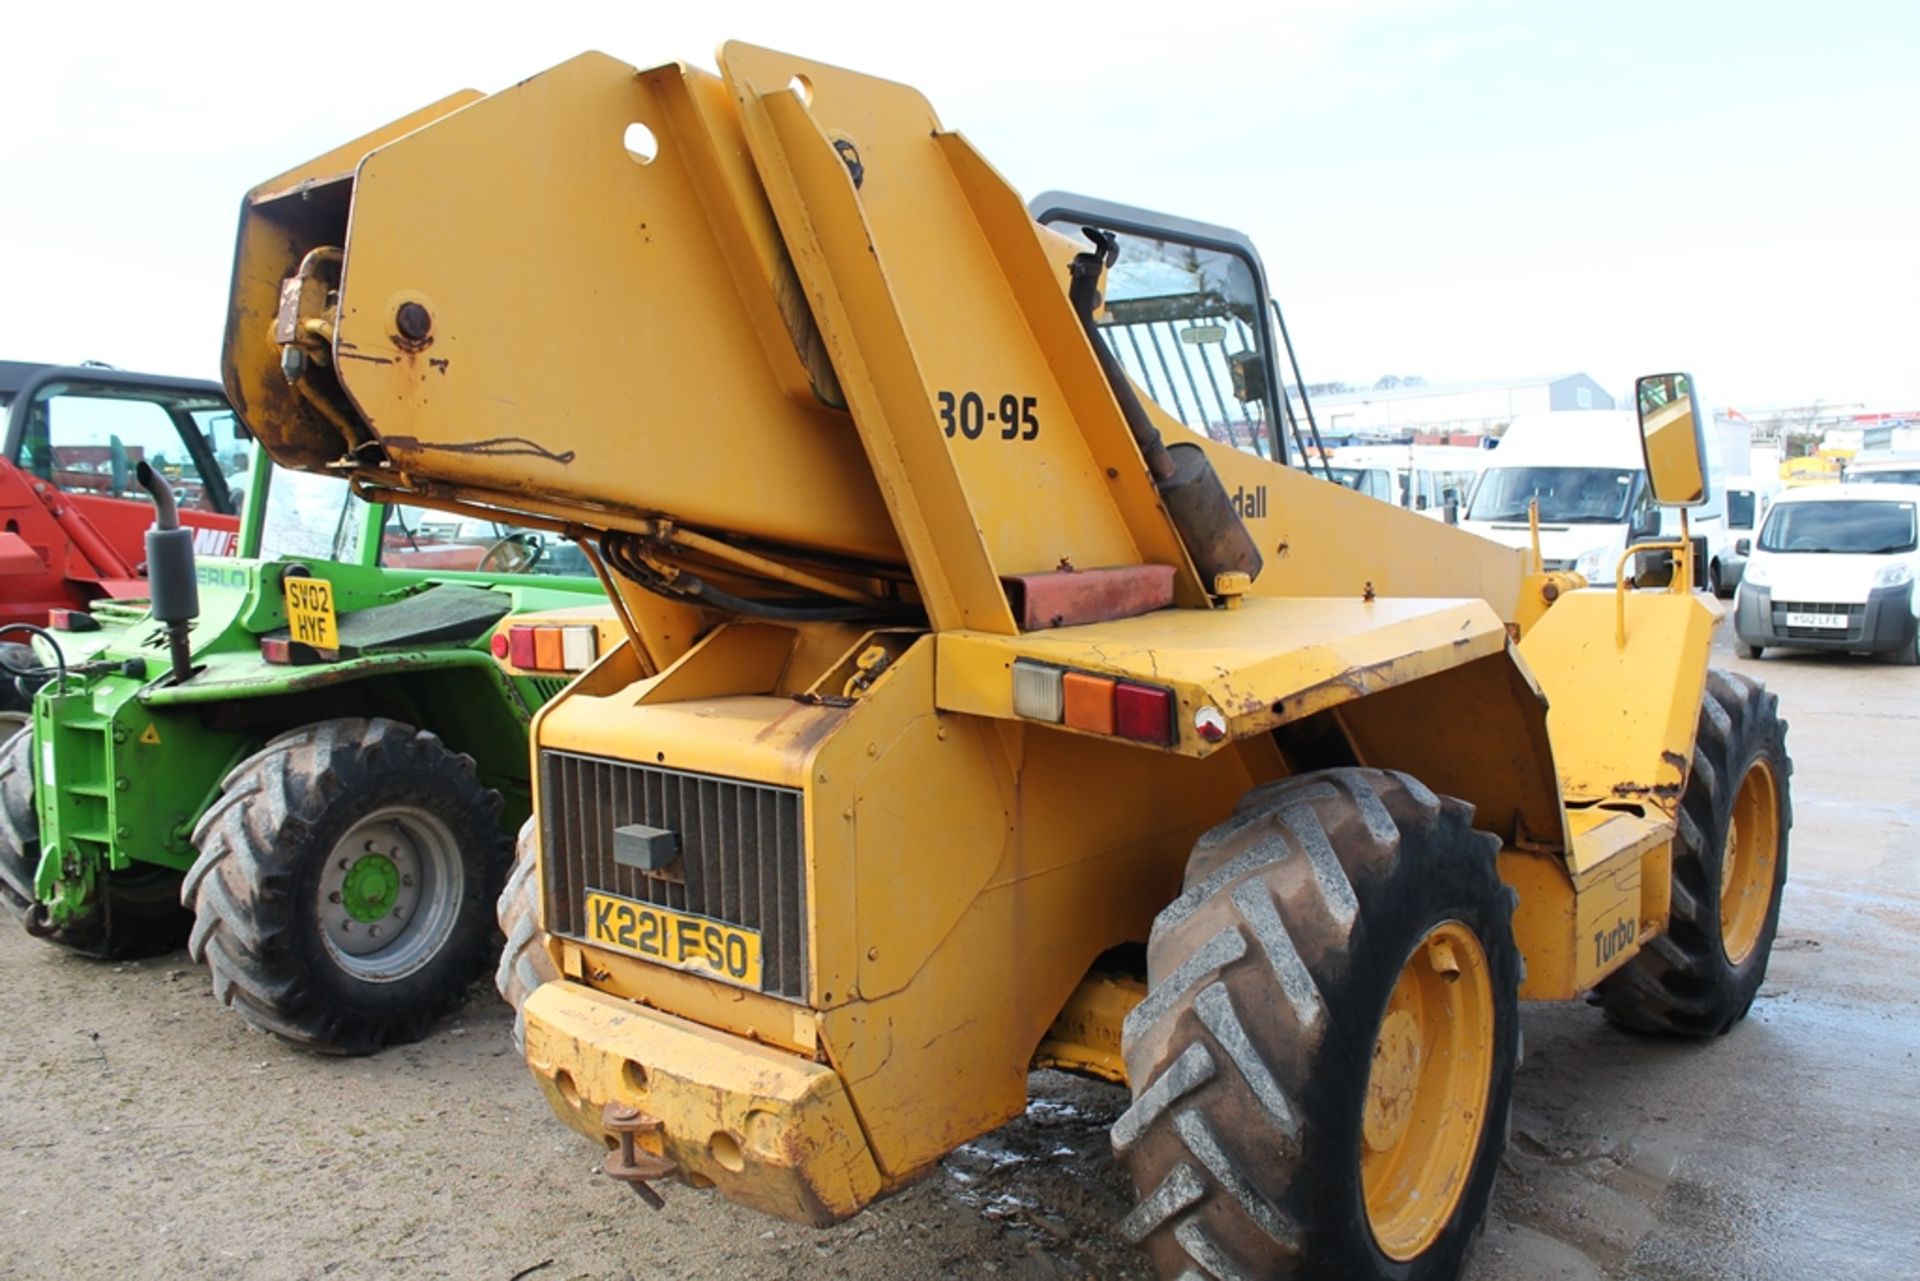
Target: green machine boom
(319,802)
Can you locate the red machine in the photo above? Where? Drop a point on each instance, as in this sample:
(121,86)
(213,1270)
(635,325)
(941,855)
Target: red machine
(72,520)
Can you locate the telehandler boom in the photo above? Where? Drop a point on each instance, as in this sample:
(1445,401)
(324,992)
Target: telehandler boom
(993,695)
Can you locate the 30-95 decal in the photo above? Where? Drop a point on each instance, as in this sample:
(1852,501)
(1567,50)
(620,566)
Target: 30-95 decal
(967,414)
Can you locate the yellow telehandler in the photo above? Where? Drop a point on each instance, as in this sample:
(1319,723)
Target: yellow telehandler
(994,693)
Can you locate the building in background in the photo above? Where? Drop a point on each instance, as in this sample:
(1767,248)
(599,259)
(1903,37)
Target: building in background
(1454,414)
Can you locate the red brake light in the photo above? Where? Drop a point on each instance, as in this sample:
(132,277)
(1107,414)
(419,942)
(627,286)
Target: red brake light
(276,649)
(520,651)
(1143,713)
(498,644)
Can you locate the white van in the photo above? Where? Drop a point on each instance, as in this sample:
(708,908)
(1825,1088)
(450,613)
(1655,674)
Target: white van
(1834,569)
(1747,503)
(1884,467)
(1424,478)
(1586,468)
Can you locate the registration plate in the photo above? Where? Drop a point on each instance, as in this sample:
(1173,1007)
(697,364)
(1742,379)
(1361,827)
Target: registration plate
(310,618)
(674,938)
(1838,621)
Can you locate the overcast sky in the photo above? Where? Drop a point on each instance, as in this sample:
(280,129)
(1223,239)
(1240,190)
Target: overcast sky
(1457,190)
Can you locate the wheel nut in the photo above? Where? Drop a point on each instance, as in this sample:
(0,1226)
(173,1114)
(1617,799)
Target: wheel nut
(406,880)
(334,897)
(374,930)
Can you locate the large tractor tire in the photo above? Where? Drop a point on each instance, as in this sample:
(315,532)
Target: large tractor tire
(343,887)
(19,825)
(1729,866)
(525,962)
(138,911)
(1323,1066)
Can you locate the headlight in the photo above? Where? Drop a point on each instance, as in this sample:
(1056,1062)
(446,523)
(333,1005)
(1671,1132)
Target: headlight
(1893,575)
(1593,565)
(1755,574)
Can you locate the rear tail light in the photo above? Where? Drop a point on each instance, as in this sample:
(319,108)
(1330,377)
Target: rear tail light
(1143,712)
(287,652)
(72,620)
(535,647)
(1036,691)
(1094,704)
(1089,702)
(520,647)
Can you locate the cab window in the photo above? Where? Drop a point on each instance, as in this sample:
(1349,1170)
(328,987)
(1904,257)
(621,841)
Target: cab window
(93,444)
(1185,324)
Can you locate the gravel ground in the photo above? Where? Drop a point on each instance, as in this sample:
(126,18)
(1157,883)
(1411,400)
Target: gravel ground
(144,1132)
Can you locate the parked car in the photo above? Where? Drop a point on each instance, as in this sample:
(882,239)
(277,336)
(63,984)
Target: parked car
(1834,569)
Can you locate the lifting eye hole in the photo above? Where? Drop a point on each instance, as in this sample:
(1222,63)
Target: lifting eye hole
(640,143)
(803,89)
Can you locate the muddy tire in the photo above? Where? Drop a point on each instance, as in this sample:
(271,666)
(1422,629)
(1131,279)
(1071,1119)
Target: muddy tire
(138,910)
(1272,1083)
(342,891)
(19,825)
(1729,865)
(525,962)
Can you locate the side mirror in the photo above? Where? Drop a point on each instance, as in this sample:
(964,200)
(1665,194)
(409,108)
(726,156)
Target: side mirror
(1645,524)
(1453,509)
(1672,439)
(1743,546)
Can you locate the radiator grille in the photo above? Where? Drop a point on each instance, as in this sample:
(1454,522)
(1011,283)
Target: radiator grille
(742,854)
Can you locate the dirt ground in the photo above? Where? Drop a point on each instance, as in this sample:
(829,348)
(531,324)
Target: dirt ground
(144,1132)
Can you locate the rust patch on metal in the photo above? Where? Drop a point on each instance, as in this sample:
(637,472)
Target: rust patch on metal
(1067,596)
(630,1163)
(808,723)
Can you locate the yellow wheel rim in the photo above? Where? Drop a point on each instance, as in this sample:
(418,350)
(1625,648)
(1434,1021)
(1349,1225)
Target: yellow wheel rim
(1427,1088)
(1748,861)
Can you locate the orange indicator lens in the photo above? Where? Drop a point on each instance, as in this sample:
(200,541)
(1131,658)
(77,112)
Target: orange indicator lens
(1089,701)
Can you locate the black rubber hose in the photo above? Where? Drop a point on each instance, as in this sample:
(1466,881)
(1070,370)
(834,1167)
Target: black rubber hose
(59,655)
(691,587)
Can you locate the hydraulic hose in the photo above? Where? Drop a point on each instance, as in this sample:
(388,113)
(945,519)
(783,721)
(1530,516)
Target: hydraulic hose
(619,551)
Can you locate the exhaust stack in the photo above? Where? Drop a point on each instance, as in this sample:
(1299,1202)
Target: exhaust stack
(171,580)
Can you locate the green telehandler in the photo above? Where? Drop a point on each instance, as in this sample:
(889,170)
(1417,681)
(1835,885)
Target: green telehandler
(304,761)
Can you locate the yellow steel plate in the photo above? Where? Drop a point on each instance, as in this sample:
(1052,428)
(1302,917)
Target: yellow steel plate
(310,616)
(678,939)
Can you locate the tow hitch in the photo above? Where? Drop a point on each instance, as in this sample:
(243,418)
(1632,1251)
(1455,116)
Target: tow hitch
(630,1163)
